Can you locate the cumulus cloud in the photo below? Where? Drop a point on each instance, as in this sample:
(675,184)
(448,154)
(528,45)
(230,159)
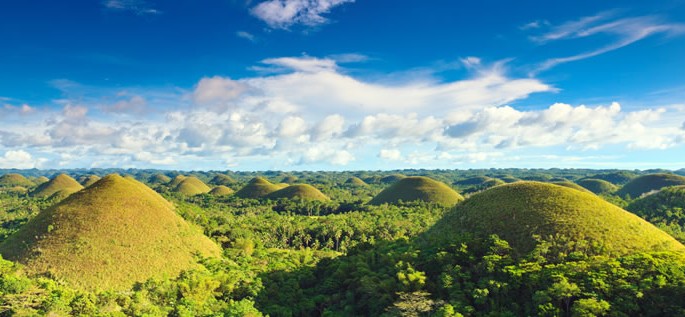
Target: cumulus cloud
(133,105)
(19,159)
(281,14)
(390,154)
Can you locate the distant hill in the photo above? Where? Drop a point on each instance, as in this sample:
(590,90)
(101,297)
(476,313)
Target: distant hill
(390,179)
(89,180)
(221,190)
(519,211)
(108,236)
(647,183)
(473,181)
(258,187)
(61,182)
(175,181)
(597,186)
(418,188)
(159,179)
(222,179)
(191,186)
(570,184)
(666,206)
(13,180)
(299,191)
(616,178)
(355,181)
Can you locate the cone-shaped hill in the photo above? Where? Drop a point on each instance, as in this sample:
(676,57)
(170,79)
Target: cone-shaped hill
(89,180)
(299,191)
(288,179)
(13,180)
(356,181)
(108,236)
(418,188)
(647,183)
(221,190)
(222,179)
(575,186)
(517,212)
(664,206)
(473,181)
(177,180)
(257,187)
(192,186)
(41,180)
(159,179)
(61,182)
(597,186)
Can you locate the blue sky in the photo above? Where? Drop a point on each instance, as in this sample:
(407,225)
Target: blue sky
(341,84)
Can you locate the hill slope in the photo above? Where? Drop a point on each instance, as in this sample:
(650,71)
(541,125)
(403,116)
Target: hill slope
(597,186)
(90,180)
(61,182)
(356,181)
(418,188)
(666,206)
(221,190)
(299,191)
(222,179)
(13,180)
(191,186)
(518,211)
(257,187)
(110,235)
(647,183)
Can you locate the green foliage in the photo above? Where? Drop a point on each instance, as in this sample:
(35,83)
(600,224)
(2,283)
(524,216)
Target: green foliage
(418,188)
(598,186)
(648,183)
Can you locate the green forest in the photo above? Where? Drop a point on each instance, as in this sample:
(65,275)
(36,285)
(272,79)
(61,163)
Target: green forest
(491,242)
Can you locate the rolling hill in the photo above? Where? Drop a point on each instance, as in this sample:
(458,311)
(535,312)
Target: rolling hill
(191,186)
(61,182)
(597,186)
(299,191)
(647,183)
(418,188)
(13,180)
(257,187)
(222,179)
(221,190)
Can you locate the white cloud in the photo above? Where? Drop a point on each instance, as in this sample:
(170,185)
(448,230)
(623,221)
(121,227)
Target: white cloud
(292,127)
(133,105)
(285,13)
(139,7)
(392,154)
(246,35)
(217,90)
(625,31)
(20,159)
(326,155)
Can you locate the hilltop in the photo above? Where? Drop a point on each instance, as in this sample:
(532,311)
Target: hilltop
(221,190)
(597,186)
(570,184)
(191,186)
(517,212)
(159,179)
(222,179)
(418,188)
(257,187)
(299,191)
(108,236)
(89,180)
(355,181)
(61,182)
(14,180)
(647,183)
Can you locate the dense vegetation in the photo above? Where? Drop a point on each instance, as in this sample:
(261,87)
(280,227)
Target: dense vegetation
(507,250)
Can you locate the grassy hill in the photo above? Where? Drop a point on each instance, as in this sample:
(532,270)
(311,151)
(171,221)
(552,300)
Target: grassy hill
(257,187)
(13,180)
(61,182)
(597,186)
(647,183)
(418,188)
(40,180)
(191,186)
(159,179)
(221,190)
(616,178)
(355,181)
(89,180)
(289,179)
(665,208)
(570,184)
(472,181)
(175,181)
(299,191)
(222,179)
(519,211)
(110,235)
(390,179)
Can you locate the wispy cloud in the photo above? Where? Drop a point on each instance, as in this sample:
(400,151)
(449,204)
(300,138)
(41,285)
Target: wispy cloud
(281,14)
(139,7)
(246,35)
(624,31)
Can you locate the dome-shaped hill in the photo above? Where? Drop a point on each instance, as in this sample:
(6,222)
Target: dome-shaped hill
(89,180)
(40,180)
(299,191)
(191,186)
(355,181)
(666,206)
(418,188)
(572,185)
(257,187)
(221,190)
(597,186)
(509,179)
(222,179)
(517,212)
(58,183)
(63,194)
(159,179)
(16,190)
(108,236)
(13,180)
(176,180)
(647,183)
(289,179)
(616,178)
(390,179)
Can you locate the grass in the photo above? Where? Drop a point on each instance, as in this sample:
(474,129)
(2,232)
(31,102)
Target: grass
(222,179)
(191,186)
(258,187)
(289,179)
(418,188)
(175,181)
(159,179)
(521,211)
(58,183)
(356,181)
(221,190)
(108,236)
(90,180)
(12,180)
(597,186)
(473,181)
(570,184)
(390,179)
(299,191)
(648,183)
